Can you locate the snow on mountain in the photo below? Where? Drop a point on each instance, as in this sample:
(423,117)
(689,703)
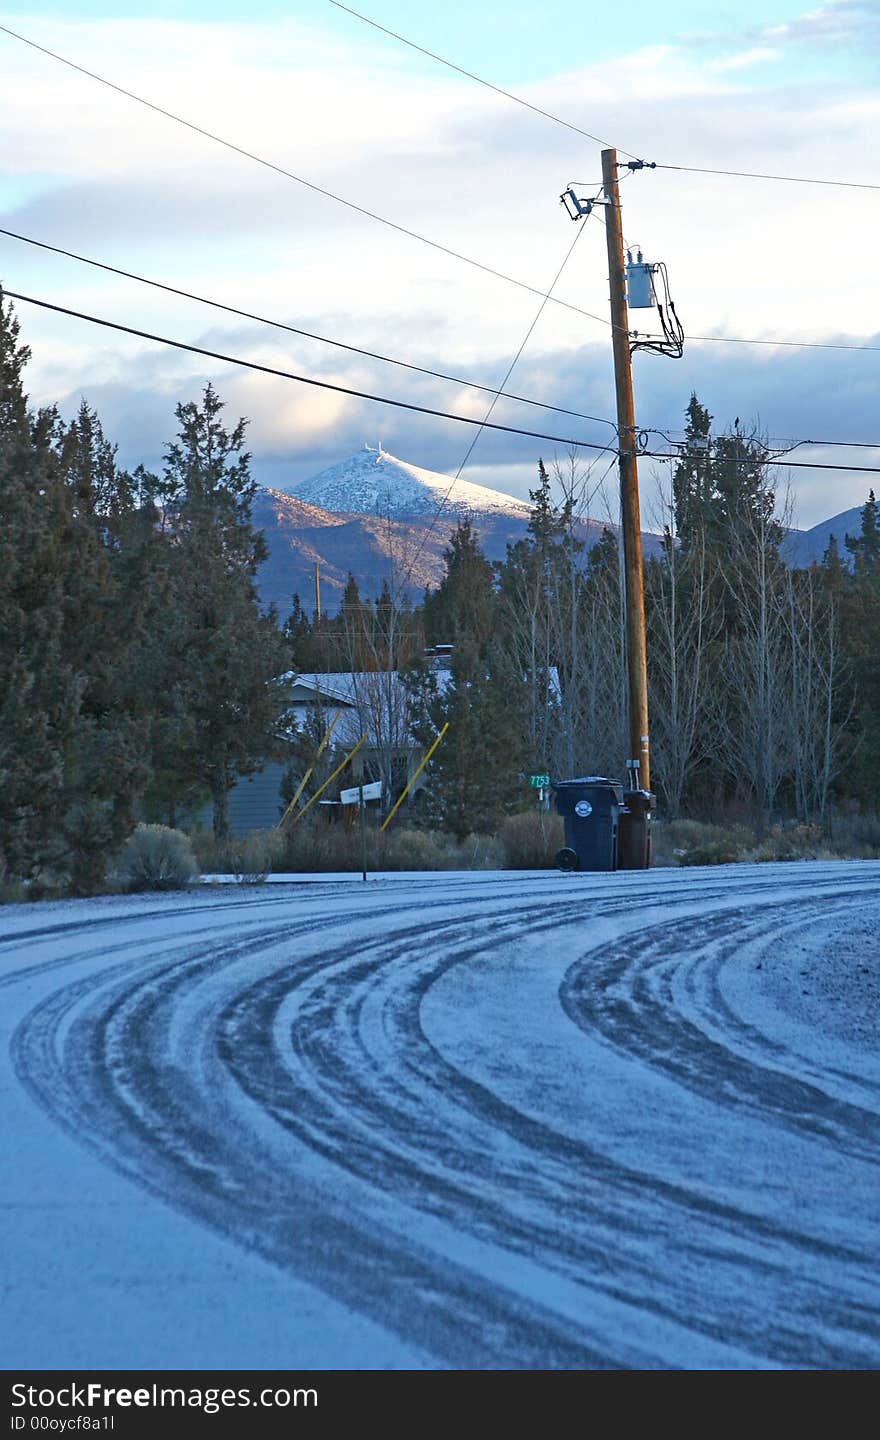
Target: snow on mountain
(372,482)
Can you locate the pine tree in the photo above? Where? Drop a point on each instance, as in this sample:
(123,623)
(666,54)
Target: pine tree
(474,778)
(105,767)
(692,478)
(216,662)
(39,691)
(861,632)
(865,547)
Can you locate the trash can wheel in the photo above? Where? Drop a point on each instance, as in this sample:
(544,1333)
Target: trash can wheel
(567,859)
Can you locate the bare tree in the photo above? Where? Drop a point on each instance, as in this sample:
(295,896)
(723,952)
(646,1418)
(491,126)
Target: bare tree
(817,716)
(684,621)
(588,636)
(752,696)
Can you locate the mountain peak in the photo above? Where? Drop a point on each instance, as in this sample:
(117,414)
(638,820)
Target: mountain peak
(374,482)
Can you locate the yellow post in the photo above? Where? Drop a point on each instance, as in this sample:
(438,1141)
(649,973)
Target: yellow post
(409,784)
(308,775)
(338,771)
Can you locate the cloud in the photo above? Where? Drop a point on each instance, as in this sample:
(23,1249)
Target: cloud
(757,55)
(296,431)
(471,171)
(841,23)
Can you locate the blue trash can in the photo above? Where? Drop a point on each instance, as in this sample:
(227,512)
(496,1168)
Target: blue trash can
(590,808)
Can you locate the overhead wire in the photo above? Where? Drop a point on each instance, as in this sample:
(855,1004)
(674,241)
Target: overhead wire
(744,339)
(299,179)
(775,460)
(785,344)
(394,360)
(568,125)
(294,329)
(290,375)
(782,179)
(789,441)
(485,423)
(470,75)
(416,235)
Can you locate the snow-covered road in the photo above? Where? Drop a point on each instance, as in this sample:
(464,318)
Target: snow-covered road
(483,1120)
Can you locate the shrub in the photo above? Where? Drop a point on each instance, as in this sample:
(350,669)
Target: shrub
(314,846)
(693,842)
(478,852)
(797,842)
(155,858)
(412,850)
(856,837)
(716,852)
(530,841)
(205,848)
(255,856)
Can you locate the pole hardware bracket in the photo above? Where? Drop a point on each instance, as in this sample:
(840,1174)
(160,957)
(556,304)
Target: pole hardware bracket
(577,207)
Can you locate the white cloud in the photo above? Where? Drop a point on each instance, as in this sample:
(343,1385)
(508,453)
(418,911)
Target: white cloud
(843,22)
(743,60)
(468,169)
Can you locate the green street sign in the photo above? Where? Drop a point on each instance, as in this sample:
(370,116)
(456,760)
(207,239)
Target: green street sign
(539,782)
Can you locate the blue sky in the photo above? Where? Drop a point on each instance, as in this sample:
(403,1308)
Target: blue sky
(791,89)
(515,42)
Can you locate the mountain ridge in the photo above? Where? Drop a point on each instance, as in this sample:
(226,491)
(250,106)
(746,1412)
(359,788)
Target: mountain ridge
(375,482)
(383,519)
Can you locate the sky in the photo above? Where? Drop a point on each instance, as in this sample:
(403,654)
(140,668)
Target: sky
(773,87)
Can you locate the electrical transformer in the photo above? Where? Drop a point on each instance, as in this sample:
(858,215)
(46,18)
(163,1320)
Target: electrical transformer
(639,283)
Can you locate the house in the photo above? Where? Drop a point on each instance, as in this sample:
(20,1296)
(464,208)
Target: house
(356,703)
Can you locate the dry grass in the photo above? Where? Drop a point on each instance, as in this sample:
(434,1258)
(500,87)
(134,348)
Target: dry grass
(530,841)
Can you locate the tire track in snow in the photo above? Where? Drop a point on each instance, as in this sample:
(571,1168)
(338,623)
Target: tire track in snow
(325,1040)
(627,992)
(587,1215)
(112,1084)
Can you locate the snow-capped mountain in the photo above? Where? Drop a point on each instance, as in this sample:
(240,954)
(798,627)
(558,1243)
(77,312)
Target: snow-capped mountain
(376,517)
(372,482)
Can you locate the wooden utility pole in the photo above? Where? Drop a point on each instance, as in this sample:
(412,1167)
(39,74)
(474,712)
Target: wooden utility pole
(317,591)
(636,651)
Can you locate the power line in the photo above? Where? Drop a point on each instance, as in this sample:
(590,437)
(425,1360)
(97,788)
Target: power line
(744,339)
(510,369)
(293,329)
(766,460)
(759,175)
(404,230)
(393,360)
(300,379)
(567,124)
(385,399)
(787,344)
(469,74)
(289,175)
(788,440)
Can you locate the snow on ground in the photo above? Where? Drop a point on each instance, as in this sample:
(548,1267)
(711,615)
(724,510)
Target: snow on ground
(471,1121)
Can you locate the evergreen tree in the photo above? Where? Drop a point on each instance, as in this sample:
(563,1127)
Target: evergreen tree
(865,547)
(463,605)
(861,631)
(106,766)
(474,778)
(692,479)
(39,691)
(215,662)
